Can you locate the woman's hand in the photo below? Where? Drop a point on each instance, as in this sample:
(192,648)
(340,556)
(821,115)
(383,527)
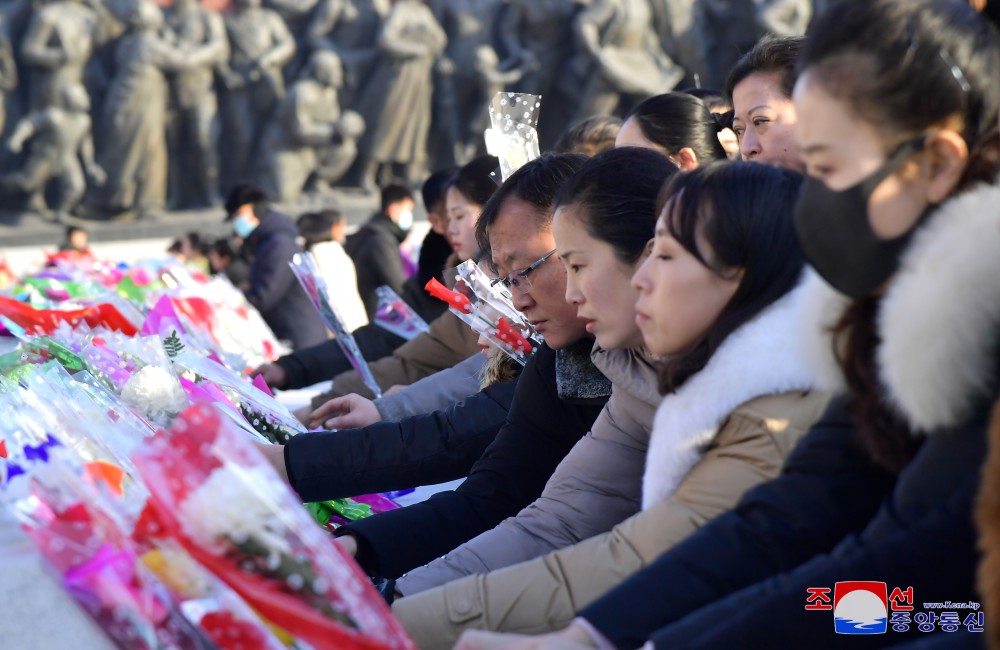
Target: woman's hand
(347,412)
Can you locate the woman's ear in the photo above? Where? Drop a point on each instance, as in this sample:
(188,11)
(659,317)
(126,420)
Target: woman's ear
(687,159)
(947,155)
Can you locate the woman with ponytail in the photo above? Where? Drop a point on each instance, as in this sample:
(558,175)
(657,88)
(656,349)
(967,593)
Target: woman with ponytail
(677,125)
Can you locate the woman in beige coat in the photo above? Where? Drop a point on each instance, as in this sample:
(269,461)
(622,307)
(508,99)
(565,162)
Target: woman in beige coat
(737,400)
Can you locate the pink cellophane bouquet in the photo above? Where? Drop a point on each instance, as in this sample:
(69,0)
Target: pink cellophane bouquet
(213,493)
(97,562)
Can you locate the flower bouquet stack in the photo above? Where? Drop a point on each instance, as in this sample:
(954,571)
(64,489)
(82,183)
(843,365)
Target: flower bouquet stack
(222,502)
(85,543)
(72,484)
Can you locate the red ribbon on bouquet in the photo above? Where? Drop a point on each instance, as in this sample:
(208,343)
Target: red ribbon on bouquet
(47,320)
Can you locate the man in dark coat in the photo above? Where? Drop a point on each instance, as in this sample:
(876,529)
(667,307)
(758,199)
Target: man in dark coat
(558,396)
(269,244)
(375,247)
(312,365)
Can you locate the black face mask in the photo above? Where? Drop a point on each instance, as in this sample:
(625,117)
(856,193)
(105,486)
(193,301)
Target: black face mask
(836,234)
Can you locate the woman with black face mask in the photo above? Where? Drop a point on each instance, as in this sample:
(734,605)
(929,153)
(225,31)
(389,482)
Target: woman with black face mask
(897,106)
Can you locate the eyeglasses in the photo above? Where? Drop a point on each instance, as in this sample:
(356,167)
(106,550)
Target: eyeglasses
(519,279)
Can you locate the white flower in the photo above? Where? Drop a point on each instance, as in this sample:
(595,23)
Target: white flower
(232,506)
(154,391)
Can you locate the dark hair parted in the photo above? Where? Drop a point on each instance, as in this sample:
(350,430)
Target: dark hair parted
(536,183)
(770,55)
(473,179)
(615,193)
(678,120)
(907,66)
(742,213)
(590,136)
(223,247)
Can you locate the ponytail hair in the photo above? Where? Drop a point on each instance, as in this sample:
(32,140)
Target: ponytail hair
(676,121)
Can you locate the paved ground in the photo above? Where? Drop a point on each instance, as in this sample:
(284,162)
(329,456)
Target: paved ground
(26,229)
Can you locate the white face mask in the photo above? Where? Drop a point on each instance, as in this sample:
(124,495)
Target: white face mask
(405,219)
(243,226)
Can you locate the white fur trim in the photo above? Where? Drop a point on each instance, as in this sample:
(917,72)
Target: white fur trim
(940,318)
(938,321)
(817,310)
(755,360)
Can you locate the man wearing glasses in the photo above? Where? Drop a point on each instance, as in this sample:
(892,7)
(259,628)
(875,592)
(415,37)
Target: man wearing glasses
(558,396)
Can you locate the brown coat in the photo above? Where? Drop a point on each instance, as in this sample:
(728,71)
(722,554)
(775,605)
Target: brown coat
(447,342)
(546,593)
(988,520)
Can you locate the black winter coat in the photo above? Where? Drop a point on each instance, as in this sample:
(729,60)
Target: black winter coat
(922,537)
(325,361)
(375,252)
(540,430)
(742,580)
(421,450)
(274,290)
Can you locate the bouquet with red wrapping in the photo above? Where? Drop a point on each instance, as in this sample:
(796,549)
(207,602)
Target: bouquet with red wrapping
(84,541)
(221,500)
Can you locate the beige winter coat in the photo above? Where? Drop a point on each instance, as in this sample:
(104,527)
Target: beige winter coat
(545,594)
(596,486)
(726,429)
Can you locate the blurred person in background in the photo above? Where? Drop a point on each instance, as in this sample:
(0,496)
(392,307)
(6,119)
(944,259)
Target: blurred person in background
(324,234)
(269,244)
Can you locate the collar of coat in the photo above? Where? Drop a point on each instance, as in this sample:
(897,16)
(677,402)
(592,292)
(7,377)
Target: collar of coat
(753,361)
(939,320)
(632,371)
(577,378)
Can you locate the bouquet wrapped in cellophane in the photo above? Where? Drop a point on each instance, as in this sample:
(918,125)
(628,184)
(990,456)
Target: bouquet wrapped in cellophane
(247,402)
(305,269)
(221,500)
(395,316)
(74,493)
(487,308)
(79,514)
(513,135)
(86,545)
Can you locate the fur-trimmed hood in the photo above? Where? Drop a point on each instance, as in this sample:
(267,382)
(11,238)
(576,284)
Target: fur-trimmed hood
(753,361)
(939,320)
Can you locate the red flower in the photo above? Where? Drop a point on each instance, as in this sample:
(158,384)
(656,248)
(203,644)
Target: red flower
(454,299)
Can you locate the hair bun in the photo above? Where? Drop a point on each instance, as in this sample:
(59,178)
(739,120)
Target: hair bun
(723,120)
